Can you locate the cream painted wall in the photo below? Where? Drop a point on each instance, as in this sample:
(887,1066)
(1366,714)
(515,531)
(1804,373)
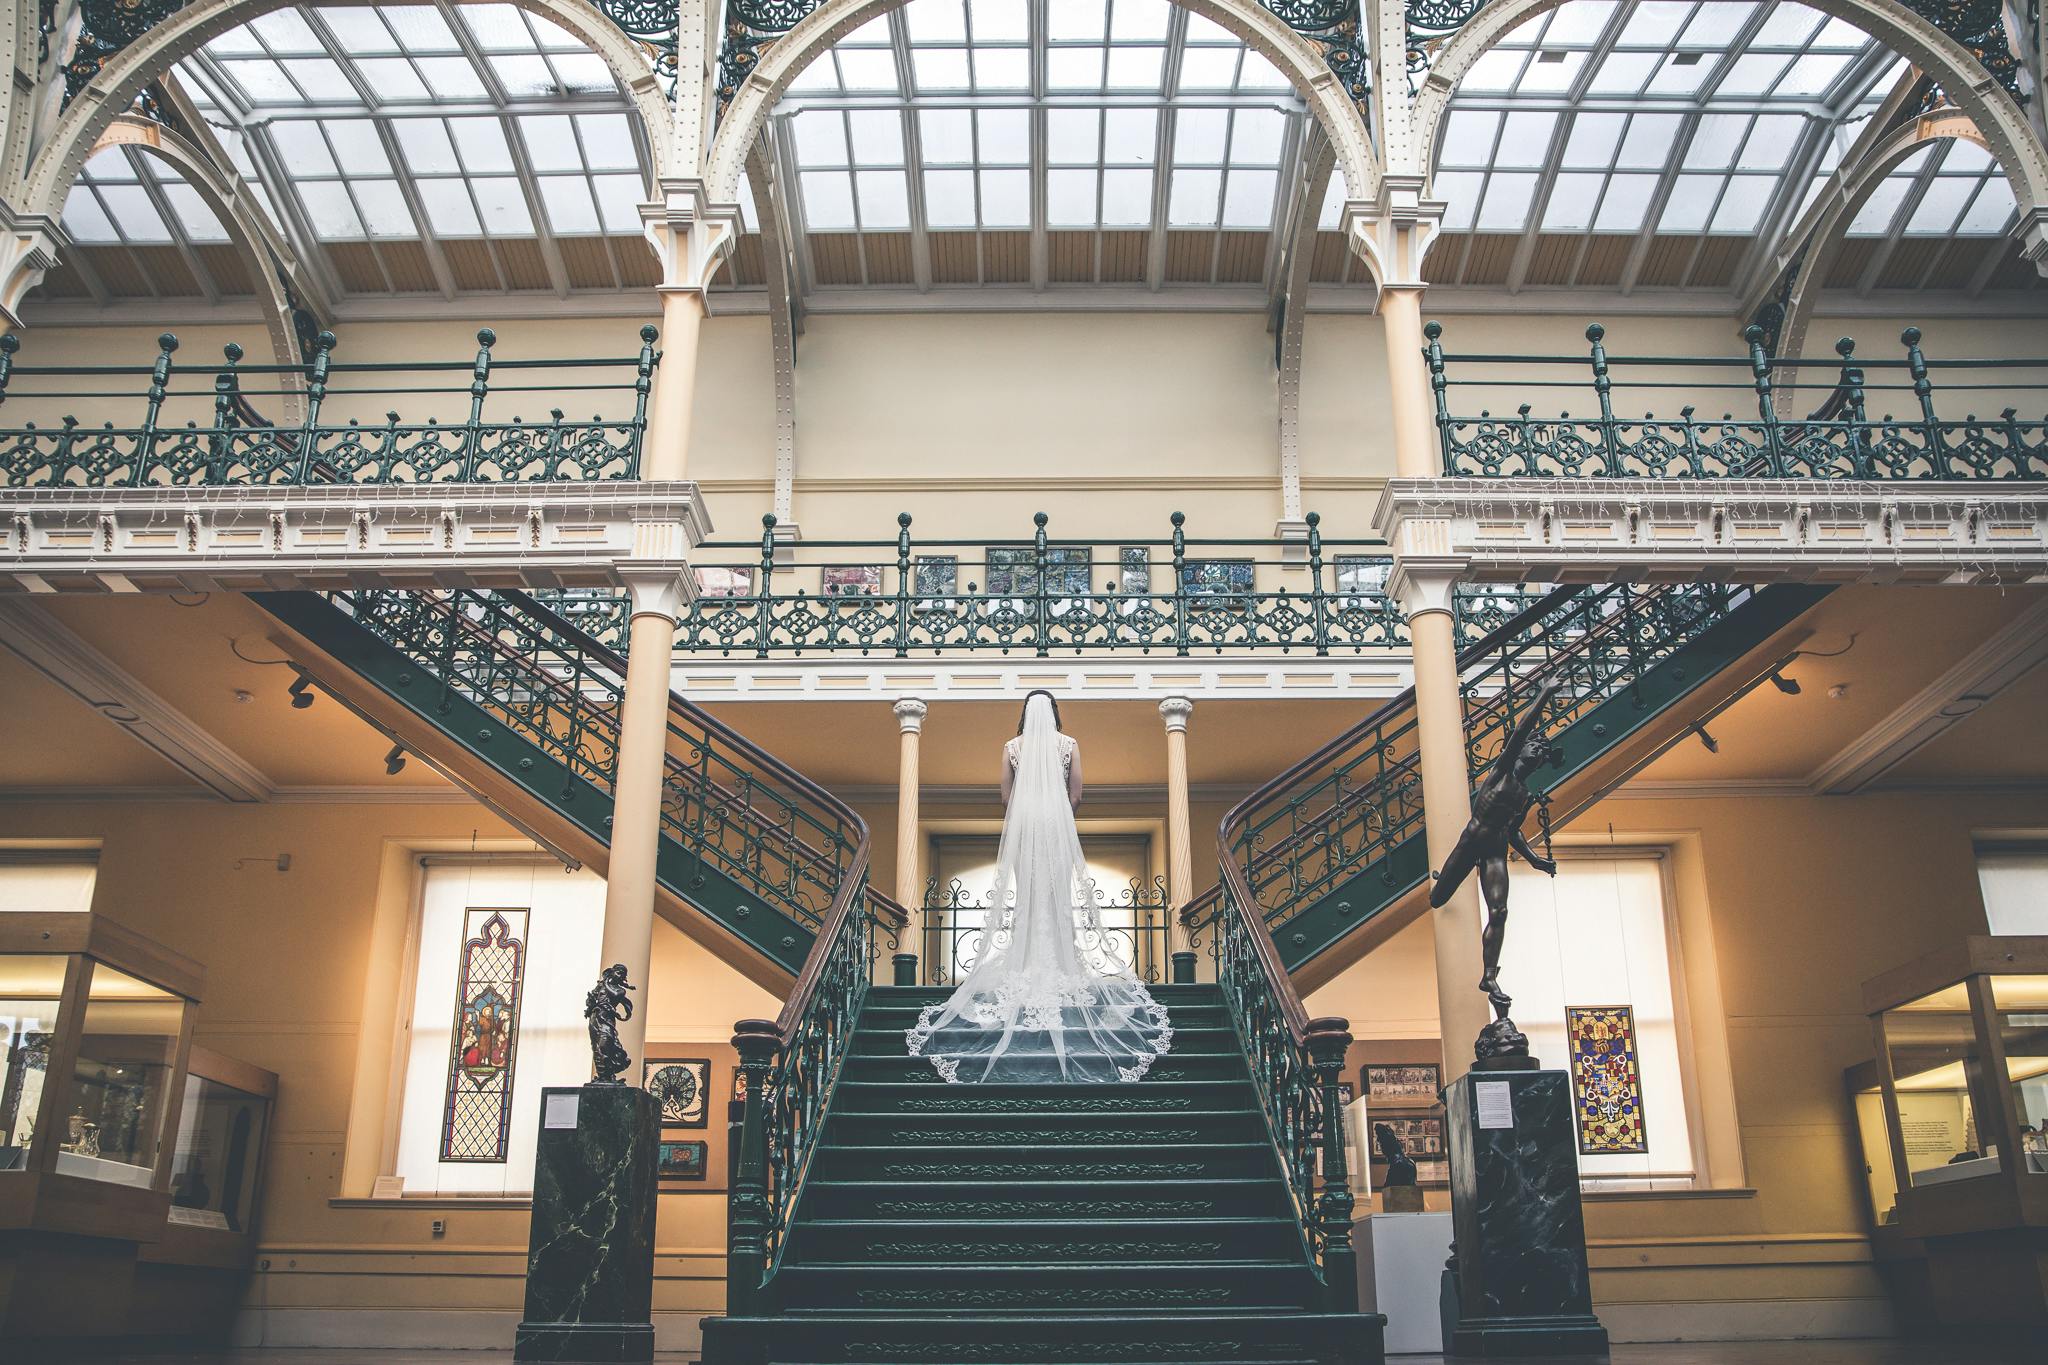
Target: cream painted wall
(288,958)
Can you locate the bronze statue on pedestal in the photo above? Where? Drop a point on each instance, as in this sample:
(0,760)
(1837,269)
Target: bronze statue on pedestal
(1498,809)
(605,1008)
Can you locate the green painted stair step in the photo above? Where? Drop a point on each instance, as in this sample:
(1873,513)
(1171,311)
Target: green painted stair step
(1022,1163)
(1176,1066)
(1110,1285)
(1047,1129)
(1045,1240)
(1155,1094)
(1136,1337)
(1205,1039)
(969,1201)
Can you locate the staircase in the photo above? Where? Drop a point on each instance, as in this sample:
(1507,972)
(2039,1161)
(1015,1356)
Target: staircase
(1332,852)
(1029,1223)
(522,708)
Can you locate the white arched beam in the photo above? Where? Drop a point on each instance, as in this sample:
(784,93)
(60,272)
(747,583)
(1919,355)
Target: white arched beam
(1301,251)
(1302,61)
(113,91)
(2003,126)
(778,275)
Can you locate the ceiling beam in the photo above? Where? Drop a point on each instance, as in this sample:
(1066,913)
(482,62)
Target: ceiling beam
(109,690)
(779,276)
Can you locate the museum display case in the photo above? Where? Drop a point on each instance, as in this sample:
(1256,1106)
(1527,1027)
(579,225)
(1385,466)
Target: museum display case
(1962,1089)
(95,1029)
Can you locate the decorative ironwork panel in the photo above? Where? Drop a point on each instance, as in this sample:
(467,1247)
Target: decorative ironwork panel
(1979,26)
(1839,439)
(477,1124)
(1134,930)
(1607,1079)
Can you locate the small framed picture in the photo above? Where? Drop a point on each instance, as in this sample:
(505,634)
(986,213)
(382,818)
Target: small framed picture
(851,580)
(682,1087)
(682,1160)
(739,1084)
(1406,1081)
(715,580)
(1345,1092)
(936,576)
(1420,1137)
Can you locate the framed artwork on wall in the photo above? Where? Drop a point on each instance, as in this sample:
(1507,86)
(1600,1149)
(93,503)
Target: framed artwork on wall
(1416,1082)
(1422,1135)
(935,576)
(682,1160)
(851,580)
(1607,1079)
(682,1087)
(717,580)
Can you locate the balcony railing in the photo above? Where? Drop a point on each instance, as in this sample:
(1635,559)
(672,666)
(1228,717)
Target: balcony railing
(959,926)
(1039,597)
(206,425)
(1940,434)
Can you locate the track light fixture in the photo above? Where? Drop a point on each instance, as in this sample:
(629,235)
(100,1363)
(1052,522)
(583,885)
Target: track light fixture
(394,762)
(301,692)
(1713,745)
(1789,686)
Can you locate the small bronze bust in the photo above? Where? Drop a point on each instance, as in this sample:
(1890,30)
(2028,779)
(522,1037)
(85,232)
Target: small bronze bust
(1398,1192)
(605,1008)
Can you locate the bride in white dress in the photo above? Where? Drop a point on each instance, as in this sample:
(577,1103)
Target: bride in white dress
(1049,999)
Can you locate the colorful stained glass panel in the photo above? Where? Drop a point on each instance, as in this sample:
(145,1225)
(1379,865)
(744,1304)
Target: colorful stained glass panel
(1607,1079)
(490,969)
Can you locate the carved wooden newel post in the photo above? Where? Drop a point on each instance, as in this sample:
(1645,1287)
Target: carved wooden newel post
(1328,1041)
(746,1260)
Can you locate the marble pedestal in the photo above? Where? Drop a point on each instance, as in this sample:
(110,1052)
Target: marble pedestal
(1520,1234)
(590,1258)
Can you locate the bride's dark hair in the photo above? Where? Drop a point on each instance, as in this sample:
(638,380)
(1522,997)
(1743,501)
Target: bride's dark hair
(1049,697)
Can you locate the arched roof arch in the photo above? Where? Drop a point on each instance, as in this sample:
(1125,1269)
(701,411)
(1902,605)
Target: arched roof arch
(2003,126)
(1328,101)
(115,88)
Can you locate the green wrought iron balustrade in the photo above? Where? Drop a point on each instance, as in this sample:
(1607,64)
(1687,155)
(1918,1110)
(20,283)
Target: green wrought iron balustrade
(1941,435)
(1038,596)
(205,425)
(792,1068)
(1296,1064)
(1337,837)
(745,838)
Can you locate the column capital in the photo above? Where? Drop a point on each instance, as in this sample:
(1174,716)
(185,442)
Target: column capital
(1426,567)
(1175,712)
(29,246)
(910,713)
(664,591)
(689,233)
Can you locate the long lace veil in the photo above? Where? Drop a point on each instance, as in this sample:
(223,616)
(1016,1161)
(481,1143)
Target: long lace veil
(1048,998)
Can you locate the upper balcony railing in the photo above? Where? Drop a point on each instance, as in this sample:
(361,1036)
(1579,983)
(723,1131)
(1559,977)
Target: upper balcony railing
(1939,436)
(1179,596)
(178,425)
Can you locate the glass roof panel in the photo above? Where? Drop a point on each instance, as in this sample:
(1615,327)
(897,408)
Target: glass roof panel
(1712,116)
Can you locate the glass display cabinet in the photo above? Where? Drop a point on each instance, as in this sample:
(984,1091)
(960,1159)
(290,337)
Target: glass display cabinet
(1962,1072)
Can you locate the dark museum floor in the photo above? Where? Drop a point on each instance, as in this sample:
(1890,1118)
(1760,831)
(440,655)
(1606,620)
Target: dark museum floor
(1698,1353)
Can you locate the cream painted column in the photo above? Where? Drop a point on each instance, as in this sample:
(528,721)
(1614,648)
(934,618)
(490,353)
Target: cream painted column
(910,714)
(1425,593)
(629,889)
(672,404)
(1415,451)
(1180,858)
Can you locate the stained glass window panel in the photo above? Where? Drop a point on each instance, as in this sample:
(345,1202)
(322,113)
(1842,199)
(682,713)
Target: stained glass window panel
(1607,1079)
(490,970)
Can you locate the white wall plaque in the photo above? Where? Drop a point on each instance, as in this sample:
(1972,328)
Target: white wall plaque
(561,1110)
(1496,1101)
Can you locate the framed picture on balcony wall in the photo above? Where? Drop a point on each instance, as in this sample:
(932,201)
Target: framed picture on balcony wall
(935,576)
(1013,570)
(1360,577)
(717,580)
(851,580)
(1415,1083)
(1134,569)
(1229,582)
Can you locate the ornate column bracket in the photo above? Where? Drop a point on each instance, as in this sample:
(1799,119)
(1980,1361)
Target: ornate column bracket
(1393,233)
(1426,566)
(689,233)
(29,245)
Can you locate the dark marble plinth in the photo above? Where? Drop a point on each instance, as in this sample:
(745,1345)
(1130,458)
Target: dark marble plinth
(590,1257)
(1520,1234)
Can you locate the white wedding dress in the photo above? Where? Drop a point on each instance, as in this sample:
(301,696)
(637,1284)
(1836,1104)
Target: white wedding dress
(1049,999)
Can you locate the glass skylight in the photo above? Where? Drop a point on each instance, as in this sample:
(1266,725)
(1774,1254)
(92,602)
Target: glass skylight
(1677,116)
(1055,115)
(130,196)
(449,120)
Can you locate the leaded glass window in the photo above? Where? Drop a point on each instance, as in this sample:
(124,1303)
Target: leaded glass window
(490,969)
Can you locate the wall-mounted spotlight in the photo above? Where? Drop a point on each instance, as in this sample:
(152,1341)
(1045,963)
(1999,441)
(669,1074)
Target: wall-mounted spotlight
(1789,686)
(394,762)
(301,692)
(1713,745)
